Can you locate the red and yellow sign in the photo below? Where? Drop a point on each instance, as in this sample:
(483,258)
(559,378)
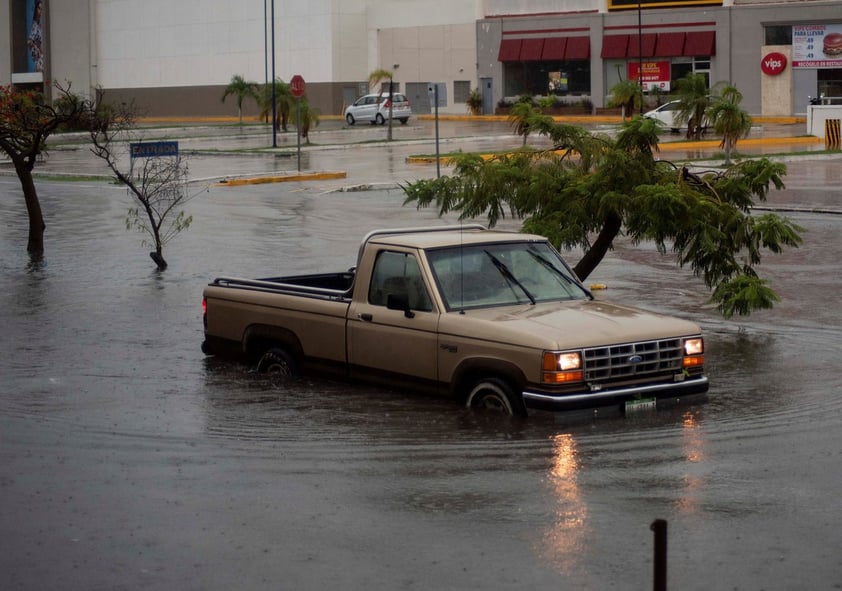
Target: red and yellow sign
(654,74)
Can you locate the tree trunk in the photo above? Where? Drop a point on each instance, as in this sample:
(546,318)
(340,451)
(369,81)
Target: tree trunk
(159,260)
(598,250)
(35,244)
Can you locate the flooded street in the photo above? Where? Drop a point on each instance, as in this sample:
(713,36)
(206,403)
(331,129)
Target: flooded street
(128,460)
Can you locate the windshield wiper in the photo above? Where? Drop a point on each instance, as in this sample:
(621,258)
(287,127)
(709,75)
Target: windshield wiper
(505,272)
(550,267)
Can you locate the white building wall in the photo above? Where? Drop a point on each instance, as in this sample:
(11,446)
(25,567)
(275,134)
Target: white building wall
(514,7)
(431,40)
(158,43)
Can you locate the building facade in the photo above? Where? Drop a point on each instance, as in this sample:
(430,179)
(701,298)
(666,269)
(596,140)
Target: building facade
(175,58)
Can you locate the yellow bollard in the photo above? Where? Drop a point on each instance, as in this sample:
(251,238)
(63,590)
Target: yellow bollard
(831,134)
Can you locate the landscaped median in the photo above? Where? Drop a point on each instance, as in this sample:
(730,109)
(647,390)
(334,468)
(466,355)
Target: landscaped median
(449,159)
(285,178)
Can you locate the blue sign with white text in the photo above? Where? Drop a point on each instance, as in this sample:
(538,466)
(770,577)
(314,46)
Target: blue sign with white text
(153,149)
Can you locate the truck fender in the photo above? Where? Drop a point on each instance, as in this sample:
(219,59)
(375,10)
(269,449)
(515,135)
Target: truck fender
(259,338)
(469,371)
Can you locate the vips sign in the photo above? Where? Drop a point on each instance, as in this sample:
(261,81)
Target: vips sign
(773,63)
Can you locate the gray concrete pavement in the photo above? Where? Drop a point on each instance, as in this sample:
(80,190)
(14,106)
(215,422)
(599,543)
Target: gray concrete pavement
(340,156)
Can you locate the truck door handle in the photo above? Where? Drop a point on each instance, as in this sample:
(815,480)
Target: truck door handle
(365,317)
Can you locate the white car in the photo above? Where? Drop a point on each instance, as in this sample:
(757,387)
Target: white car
(374,108)
(668,115)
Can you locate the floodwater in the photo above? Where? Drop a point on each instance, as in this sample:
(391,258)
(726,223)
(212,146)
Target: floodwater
(130,461)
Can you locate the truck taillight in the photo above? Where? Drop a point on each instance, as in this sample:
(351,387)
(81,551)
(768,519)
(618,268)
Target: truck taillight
(205,312)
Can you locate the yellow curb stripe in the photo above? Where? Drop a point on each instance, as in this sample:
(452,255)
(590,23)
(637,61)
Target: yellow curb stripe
(261,180)
(780,141)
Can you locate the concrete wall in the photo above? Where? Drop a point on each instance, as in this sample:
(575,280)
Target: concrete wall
(5,48)
(776,95)
(71,33)
(818,115)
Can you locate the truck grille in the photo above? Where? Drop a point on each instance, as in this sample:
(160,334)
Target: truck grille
(632,360)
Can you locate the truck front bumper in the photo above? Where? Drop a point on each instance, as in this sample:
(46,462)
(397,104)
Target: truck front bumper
(606,396)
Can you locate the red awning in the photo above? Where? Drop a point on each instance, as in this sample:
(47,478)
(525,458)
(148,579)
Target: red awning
(578,48)
(670,45)
(532,49)
(614,46)
(554,48)
(647,40)
(509,50)
(700,43)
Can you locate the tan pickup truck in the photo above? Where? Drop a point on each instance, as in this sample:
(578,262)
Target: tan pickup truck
(496,319)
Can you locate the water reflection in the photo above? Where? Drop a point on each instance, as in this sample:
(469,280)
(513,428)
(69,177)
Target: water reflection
(563,543)
(694,445)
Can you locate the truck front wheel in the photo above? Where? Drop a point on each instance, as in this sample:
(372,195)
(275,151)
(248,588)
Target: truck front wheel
(494,394)
(278,363)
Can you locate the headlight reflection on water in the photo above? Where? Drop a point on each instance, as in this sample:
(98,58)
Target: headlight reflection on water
(564,540)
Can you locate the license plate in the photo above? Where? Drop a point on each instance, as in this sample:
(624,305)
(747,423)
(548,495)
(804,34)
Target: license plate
(643,405)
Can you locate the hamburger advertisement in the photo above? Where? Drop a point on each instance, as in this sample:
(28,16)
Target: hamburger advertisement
(817,46)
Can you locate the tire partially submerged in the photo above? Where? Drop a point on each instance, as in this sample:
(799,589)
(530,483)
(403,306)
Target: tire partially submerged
(278,364)
(495,395)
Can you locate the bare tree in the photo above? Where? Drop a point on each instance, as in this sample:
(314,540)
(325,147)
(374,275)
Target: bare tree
(158,184)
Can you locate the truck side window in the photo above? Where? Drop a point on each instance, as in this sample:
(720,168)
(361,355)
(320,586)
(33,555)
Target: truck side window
(398,273)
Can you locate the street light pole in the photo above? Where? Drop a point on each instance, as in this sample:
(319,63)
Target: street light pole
(265,42)
(640,54)
(274,96)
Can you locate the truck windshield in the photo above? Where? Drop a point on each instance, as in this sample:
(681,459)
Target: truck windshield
(470,276)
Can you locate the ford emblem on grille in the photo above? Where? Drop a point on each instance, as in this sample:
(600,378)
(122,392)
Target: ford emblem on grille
(635,359)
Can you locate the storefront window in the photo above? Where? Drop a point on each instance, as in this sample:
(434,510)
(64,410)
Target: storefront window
(830,83)
(542,78)
(778,35)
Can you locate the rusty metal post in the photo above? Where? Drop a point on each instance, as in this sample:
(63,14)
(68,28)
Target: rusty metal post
(659,526)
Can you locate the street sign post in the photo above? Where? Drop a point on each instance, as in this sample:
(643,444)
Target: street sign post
(296,87)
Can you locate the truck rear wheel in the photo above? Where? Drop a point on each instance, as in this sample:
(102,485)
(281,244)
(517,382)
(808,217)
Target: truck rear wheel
(496,395)
(278,363)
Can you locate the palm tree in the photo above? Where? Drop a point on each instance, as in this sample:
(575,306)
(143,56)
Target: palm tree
(729,119)
(309,117)
(694,95)
(626,94)
(374,79)
(520,114)
(240,88)
(284,102)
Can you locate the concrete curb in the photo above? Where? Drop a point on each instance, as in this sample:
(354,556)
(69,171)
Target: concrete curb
(261,180)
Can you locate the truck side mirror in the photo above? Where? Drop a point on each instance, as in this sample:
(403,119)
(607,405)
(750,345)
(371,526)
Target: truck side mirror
(399,301)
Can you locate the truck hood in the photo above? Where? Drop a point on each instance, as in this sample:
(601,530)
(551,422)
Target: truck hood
(563,325)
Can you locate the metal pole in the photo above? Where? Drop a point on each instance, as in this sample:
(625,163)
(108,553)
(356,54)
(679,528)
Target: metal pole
(436,99)
(298,129)
(265,42)
(659,526)
(640,54)
(274,94)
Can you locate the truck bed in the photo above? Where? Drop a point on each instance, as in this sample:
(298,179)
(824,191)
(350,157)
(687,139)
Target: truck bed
(326,285)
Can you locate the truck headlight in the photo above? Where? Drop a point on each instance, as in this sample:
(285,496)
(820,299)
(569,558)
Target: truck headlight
(694,352)
(562,367)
